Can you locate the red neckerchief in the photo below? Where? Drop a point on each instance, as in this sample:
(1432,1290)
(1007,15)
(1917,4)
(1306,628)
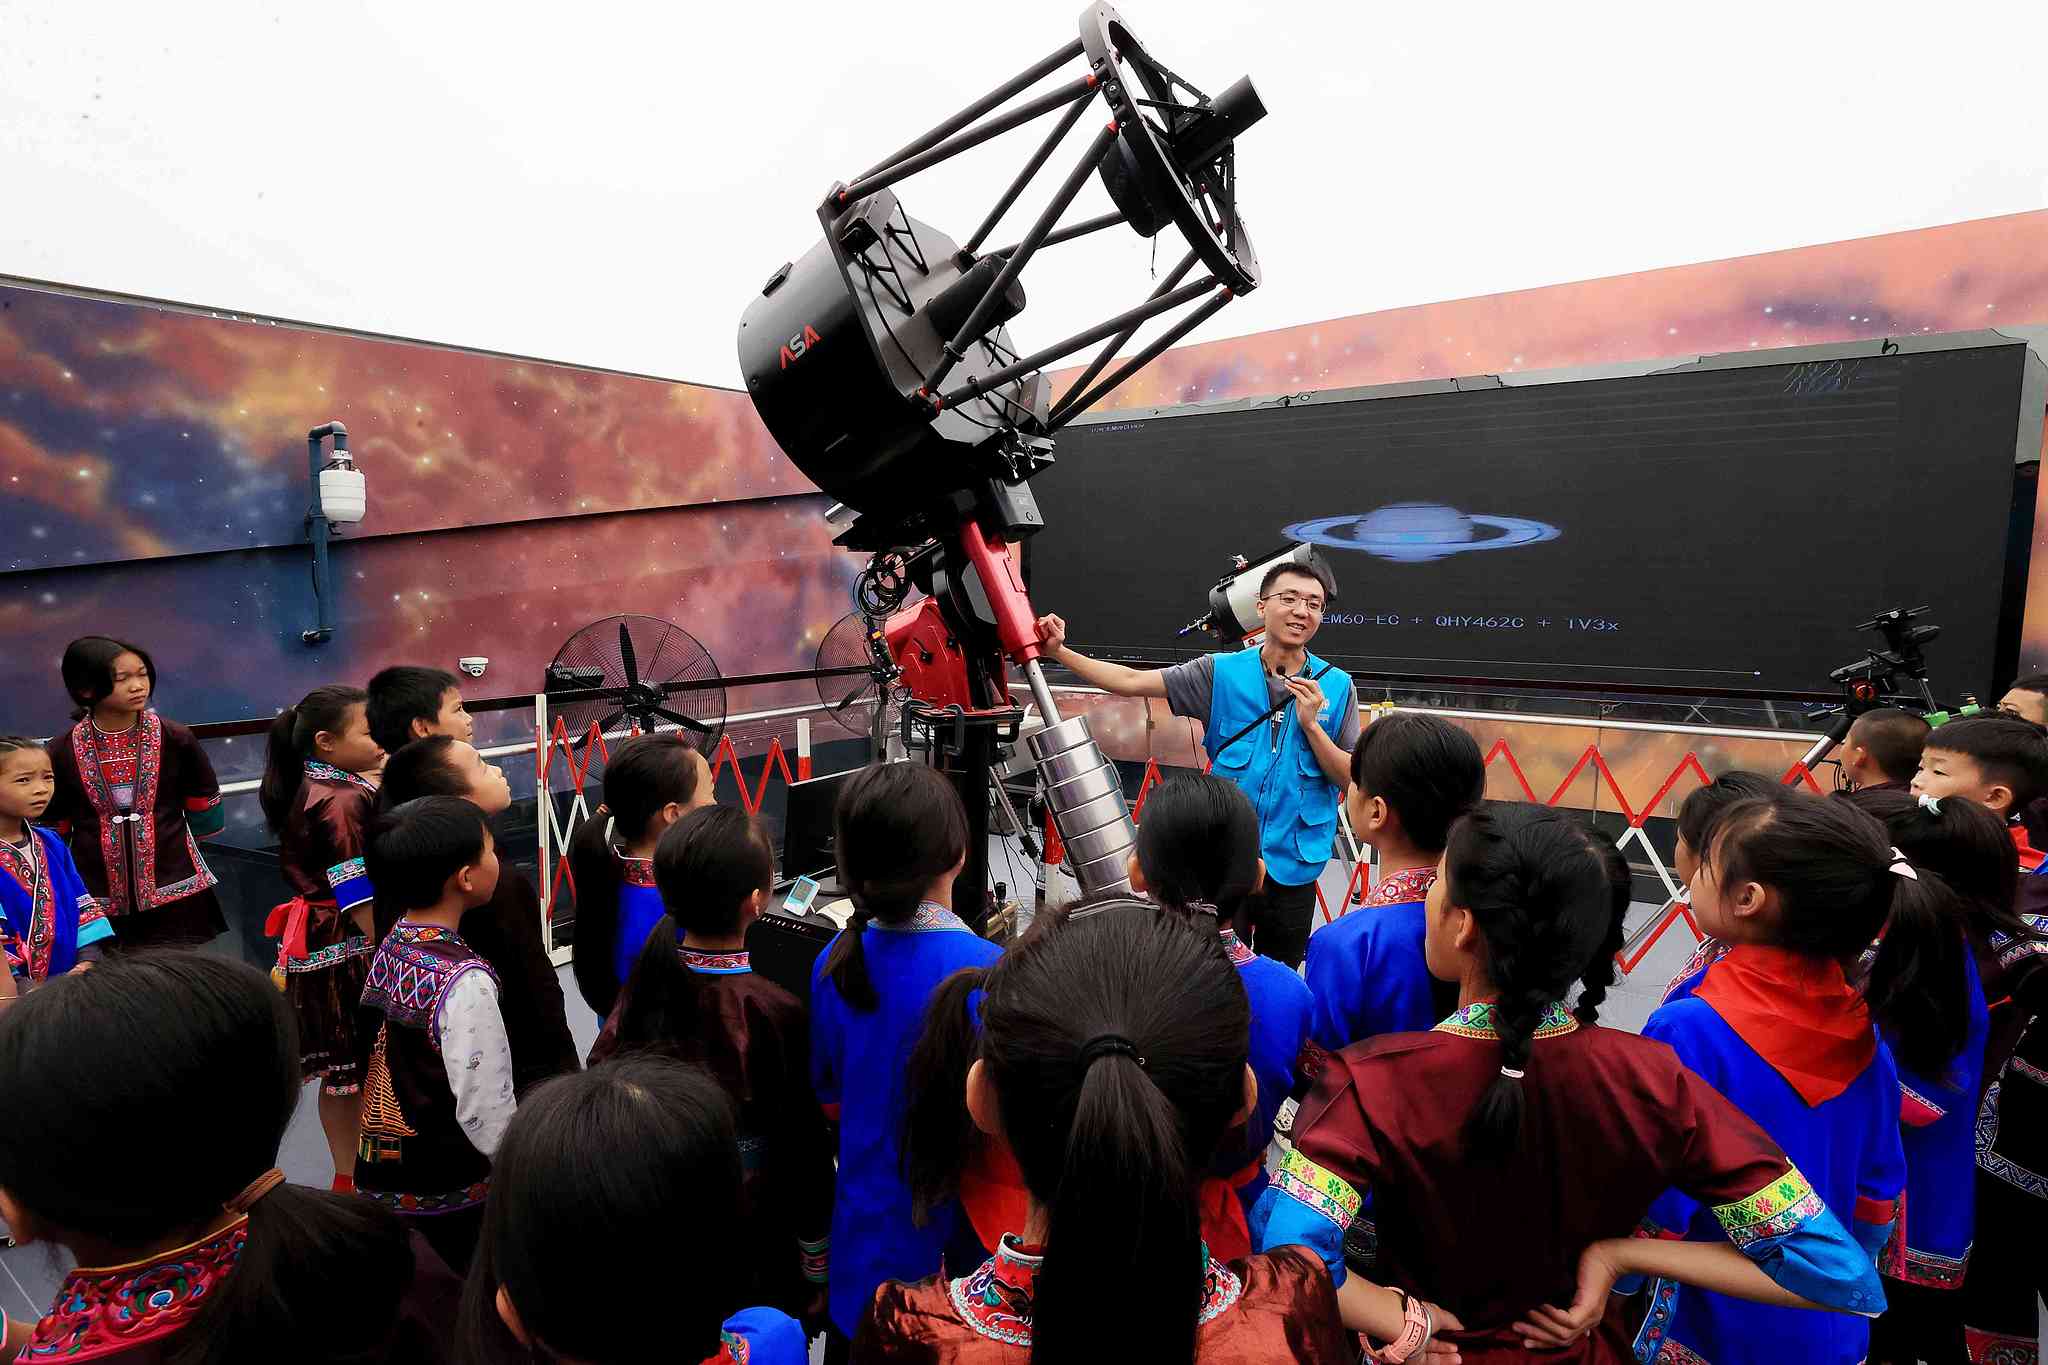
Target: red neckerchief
(2030,857)
(1798,1013)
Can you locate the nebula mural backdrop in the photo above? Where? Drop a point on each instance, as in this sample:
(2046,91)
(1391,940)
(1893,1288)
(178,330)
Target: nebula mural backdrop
(153,478)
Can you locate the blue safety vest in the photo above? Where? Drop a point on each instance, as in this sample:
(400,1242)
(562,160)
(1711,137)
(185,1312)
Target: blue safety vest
(1275,766)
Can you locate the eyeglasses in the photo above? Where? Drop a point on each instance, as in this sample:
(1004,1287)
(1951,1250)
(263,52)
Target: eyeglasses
(1291,600)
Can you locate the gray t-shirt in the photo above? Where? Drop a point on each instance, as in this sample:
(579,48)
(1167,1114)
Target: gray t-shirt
(1191,686)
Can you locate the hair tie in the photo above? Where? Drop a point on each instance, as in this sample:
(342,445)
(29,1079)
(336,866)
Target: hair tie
(1902,867)
(255,1190)
(1512,1074)
(1103,1044)
(1930,804)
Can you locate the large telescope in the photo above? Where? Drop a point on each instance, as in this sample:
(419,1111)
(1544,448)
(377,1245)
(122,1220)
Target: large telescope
(882,363)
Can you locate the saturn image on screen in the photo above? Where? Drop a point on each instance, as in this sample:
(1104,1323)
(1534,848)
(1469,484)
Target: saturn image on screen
(1416,532)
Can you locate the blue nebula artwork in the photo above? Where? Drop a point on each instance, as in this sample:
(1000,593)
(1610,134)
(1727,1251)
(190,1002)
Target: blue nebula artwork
(1417,532)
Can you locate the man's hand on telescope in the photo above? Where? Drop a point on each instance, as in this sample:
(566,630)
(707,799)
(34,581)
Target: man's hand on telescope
(1112,678)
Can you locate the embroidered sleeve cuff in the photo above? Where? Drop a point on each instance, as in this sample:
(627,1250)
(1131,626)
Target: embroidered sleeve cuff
(98,929)
(816,1258)
(1309,1206)
(1802,1246)
(351,883)
(1916,1110)
(205,816)
(90,911)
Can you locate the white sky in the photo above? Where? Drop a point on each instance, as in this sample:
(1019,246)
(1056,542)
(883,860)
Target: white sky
(609,183)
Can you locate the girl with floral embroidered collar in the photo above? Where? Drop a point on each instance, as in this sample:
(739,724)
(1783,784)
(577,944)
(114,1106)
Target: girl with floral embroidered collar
(1111,1063)
(695,995)
(135,795)
(318,798)
(607,1239)
(155,1169)
(1798,887)
(650,782)
(1519,1127)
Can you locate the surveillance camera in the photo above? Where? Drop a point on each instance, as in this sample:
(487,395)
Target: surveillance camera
(473,664)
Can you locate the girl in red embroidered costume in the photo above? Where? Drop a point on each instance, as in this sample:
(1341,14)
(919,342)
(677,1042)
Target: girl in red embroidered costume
(695,995)
(318,798)
(608,1235)
(135,794)
(1112,1062)
(1481,1133)
(190,1247)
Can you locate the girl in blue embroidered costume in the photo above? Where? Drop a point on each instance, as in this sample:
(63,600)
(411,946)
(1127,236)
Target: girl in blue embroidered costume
(1112,1063)
(439,1090)
(695,995)
(49,923)
(607,1235)
(1411,777)
(318,799)
(1796,886)
(1198,851)
(1930,1249)
(900,838)
(156,1170)
(649,784)
(1481,1128)
(135,794)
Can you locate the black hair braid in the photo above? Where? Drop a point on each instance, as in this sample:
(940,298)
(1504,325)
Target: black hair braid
(1600,972)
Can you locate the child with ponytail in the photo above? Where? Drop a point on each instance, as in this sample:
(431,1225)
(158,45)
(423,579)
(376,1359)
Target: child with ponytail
(1111,1062)
(695,995)
(318,797)
(1931,1246)
(1798,887)
(1519,1125)
(1198,852)
(900,837)
(650,782)
(156,1170)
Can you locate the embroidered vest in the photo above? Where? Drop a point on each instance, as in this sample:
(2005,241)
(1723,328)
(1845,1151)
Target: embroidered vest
(1274,764)
(412,1155)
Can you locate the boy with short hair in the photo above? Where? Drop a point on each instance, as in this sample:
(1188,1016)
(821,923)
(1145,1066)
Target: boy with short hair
(408,702)
(1412,776)
(506,930)
(1882,750)
(1998,761)
(438,1096)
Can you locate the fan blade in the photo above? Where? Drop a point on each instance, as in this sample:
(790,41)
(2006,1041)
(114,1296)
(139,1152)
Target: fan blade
(626,656)
(685,721)
(862,693)
(604,726)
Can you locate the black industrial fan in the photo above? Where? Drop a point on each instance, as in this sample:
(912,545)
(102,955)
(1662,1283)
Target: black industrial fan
(854,701)
(637,667)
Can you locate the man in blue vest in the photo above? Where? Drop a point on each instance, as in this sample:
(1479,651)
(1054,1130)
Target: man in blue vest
(1294,767)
